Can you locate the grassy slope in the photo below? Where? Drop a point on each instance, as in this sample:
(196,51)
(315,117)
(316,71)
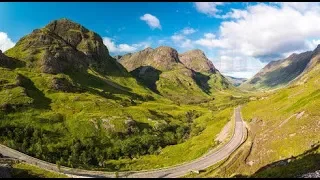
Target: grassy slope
(211,123)
(23,170)
(78,110)
(276,136)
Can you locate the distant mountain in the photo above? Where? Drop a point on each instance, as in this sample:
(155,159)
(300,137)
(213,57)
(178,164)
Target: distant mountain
(280,73)
(117,57)
(236,81)
(175,76)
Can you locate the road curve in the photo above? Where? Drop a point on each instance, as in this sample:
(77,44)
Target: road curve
(201,163)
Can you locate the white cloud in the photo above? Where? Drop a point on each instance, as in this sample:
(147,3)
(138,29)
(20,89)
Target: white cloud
(312,44)
(268,32)
(161,41)
(238,66)
(177,38)
(235,14)
(5,42)
(151,20)
(188,30)
(210,41)
(123,48)
(208,8)
(250,38)
(180,39)
(209,35)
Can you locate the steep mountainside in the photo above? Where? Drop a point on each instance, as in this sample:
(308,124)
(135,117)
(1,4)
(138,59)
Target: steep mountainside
(279,73)
(175,76)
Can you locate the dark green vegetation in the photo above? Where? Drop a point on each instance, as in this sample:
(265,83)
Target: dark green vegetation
(65,100)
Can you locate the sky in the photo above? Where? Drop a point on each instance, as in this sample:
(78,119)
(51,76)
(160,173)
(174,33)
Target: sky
(239,38)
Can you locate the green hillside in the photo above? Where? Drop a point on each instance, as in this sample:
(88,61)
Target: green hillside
(65,100)
(283,136)
(184,78)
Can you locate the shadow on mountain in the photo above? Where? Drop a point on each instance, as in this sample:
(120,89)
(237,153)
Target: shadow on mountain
(10,63)
(110,67)
(147,76)
(202,81)
(286,74)
(307,162)
(40,101)
(108,88)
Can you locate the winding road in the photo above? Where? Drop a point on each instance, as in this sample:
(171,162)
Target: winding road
(209,159)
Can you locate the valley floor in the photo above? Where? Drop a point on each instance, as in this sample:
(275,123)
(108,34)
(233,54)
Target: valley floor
(210,158)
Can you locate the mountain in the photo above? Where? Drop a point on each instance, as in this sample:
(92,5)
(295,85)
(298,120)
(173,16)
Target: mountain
(175,76)
(162,58)
(279,73)
(236,81)
(314,61)
(61,91)
(64,46)
(117,57)
(197,61)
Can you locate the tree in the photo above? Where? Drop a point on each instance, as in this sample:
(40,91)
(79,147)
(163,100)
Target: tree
(84,158)
(151,149)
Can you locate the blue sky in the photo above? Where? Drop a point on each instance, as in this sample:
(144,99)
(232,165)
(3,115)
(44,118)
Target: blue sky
(239,38)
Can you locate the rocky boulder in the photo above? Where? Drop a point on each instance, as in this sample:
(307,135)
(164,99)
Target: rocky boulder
(62,84)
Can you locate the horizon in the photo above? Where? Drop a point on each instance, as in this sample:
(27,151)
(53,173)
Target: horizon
(232,35)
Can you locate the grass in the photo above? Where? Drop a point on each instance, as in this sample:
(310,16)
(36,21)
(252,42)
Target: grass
(277,130)
(67,113)
(187,151)
(304,163)
(52,122)
(23,170)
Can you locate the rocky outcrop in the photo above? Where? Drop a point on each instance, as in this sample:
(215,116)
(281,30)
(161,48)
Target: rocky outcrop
(315,174)
(162,58)
(60,61)
(62,84)
(197,61)
(64,46)
(79,37)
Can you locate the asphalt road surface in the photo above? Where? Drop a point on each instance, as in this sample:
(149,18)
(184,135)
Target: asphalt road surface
(209,159)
